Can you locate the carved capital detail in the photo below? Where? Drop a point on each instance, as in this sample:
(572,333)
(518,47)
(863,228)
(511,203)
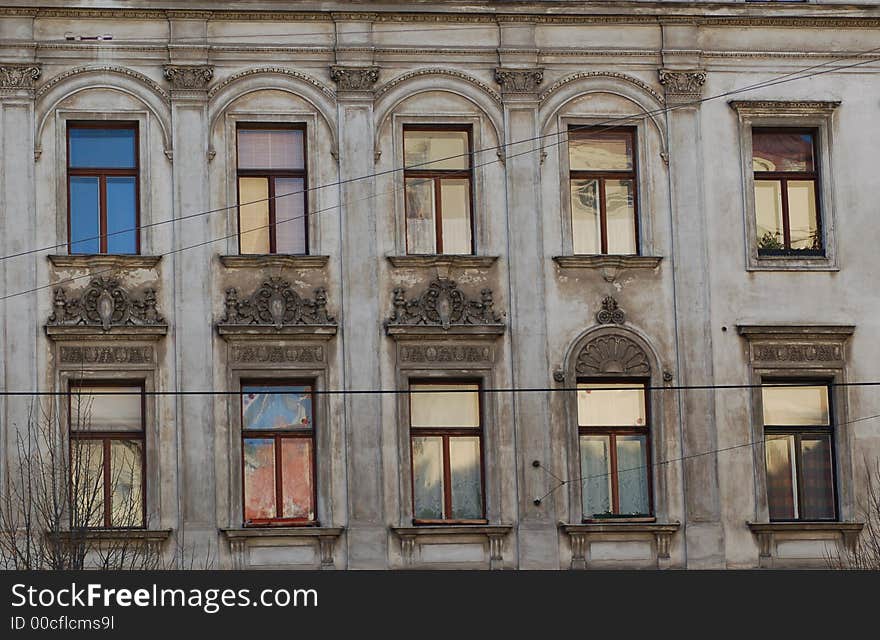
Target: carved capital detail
(18,76)
(612,354)
(444,305)
(519,80)
(682,86)
(105,304)
(276,304)
(189,77)
(610,313)
(354,78)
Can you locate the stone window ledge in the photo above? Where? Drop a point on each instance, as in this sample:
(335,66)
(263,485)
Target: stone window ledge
(582,534)
(609,265)
(414,539)
(152,539)
(788,331)
(769,534)
(104,261)
(324,537)
(274,260)
(91,332)
(403,331)
(441,260)
(791,263)
(256,331)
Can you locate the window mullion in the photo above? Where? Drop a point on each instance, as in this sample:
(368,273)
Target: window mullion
(438,205)
(108,492)
(447,480)
(786,223)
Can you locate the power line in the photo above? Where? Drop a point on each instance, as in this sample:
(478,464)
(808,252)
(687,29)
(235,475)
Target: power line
(771,82)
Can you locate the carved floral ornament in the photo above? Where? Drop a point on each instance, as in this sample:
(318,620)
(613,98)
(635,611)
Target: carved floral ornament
(682,86)
(354,78)
(189,77)
(519,80)
(276,304)
(105,304)
(610,313)
(18,76)
(444,305)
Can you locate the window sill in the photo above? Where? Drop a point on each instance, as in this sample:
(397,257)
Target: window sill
(282,261)
(610,265)
(148,536)
(633,531)
(457,545)
(104,261)
(441,260)
(781,544)
(322,540)
(268,531)
(790,262)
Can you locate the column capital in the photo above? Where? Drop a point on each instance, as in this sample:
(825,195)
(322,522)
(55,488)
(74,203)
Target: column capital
(188,80)
(519,81)
(354,78)
(682,86)
(18,77)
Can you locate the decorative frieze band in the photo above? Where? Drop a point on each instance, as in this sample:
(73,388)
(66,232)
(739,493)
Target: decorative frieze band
(189,77)
(445,354)
(682,86)
(106,355)
(277,353)
(519,80)
(354,78)
(815,352)
(18,76)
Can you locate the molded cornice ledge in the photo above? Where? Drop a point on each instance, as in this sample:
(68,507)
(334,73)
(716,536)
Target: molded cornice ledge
(611,266)
(771,331)
(270,261)
(758,108)
(448,261)
(104,261)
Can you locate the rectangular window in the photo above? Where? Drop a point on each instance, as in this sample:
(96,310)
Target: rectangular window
(604,206)
(614,439)
(786,192)
(447,454)
(106,455)
(272,212)
(278,453)
(102,187)
(437,187)
(799,448)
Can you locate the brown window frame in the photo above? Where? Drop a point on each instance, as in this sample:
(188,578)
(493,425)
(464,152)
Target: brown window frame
(446,433)
(799,430)
(107,437)
(271,175)
(584,132)
(612,432)
(102,174)
(277,435)
(436,175)
(783,177)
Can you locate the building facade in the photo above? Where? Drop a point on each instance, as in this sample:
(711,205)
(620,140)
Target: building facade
(538,285)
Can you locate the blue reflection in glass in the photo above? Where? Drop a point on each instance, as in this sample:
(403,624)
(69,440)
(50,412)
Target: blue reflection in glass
(121,215)
(102,148)
(84,215)
(283,407)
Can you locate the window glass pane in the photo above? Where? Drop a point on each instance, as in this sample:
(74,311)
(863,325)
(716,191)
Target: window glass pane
(632,475)
(428,150)
(421,230)
(121,214)
(611,404)
(427,460)
(802,219)
(818,479)
(782,151)
(87,478)
(290,218)
(781,478)
(270,149)
(296,478)
(85,214)
(795,405)
(126,484)
(606,151)
(444,405)
(456,215)
(620,215)
(768,214)
(253,218)
(585,222)
(466,478)
(595,474)
(102,148)
(281,407)
(259,478)
(96,408)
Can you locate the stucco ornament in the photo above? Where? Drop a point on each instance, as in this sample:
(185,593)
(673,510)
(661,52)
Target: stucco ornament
(354,78)
(105,303)
(610,313)
(519,80)
(188,77)
(18,76)
(612,354)
(444,305)
(682,86)
(276,304)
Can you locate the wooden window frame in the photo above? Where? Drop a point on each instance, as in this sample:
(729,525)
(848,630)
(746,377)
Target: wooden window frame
(446,433)
(583,131)
(102,174)
(612,432)
(436,175)
(270,175)
(797,431)
(107,437)
(277,435)
(783,177)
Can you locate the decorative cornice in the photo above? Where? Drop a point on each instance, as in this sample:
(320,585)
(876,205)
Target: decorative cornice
(612,355)
(609,265)
(682,86)
(519,80)
(447,261)
(18,76)
(783,107)
(275,305)
(354,78)
(438,71)
(54,80)
(269,70)
(186,77)
(104,261)
(274,261)
(444,307)
(644,86)
(105,304)
(610,313)
(789,331)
